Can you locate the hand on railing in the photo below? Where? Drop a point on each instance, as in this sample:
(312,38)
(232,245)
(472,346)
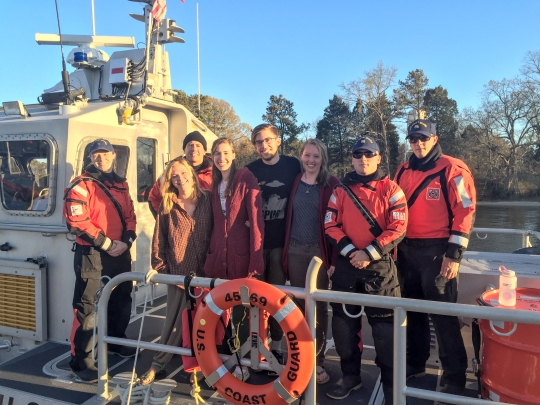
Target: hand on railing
(151,273)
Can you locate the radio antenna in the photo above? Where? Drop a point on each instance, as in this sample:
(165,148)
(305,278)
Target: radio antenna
(65,75)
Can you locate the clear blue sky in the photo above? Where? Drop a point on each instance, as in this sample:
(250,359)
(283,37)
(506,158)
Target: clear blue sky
(251,49)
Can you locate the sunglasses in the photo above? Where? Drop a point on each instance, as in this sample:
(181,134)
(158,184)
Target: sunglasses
(414,139)
(360,155)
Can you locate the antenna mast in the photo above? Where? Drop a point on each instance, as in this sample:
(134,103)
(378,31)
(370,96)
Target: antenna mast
(93,19)
(198,65)
(65,75)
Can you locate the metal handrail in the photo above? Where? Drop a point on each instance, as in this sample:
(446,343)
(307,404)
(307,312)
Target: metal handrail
(311,295)
(525,234)
(400,307)
(103,394)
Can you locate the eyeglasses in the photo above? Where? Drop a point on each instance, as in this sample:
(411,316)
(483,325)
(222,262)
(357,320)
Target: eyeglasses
(265,140)
(360,155)
(414,139)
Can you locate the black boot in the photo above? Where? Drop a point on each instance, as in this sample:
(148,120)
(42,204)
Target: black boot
(344,386)
(388,392)
(85,370)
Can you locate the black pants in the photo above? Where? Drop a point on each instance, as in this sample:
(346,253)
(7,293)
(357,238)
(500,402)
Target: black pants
(419,266)
(379,278)
(90,265)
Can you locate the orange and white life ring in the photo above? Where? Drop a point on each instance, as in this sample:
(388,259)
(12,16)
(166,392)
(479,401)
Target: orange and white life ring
(296,374)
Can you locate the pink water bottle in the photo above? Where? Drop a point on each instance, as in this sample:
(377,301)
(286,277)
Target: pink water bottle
(507,287)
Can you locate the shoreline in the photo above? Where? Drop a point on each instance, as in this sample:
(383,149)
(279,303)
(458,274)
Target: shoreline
(530,204)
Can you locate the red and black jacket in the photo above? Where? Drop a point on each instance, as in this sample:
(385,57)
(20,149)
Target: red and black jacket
(92,216)
(441,197)
(348,230)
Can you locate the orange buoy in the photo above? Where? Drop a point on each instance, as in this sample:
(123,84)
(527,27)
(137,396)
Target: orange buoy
(511,353)
(295,377)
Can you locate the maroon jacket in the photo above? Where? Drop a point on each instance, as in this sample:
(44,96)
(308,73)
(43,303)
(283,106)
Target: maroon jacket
(327,253)
(236,250)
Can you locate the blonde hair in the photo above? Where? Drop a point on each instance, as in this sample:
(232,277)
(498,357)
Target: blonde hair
(324,174)
(168,190)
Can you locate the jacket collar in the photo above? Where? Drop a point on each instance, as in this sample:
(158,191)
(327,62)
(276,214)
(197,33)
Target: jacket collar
(97,174)
(207,163)
(428,162)
(355,178)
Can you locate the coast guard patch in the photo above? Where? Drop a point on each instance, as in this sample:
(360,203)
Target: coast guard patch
(76,210)
(328,217)
(433,193)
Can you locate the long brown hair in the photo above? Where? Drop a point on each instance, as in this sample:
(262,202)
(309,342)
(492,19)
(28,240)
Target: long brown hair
(324,173)
(217,177)
(168,190)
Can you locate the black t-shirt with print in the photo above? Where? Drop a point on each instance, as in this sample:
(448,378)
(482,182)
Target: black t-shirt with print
(275,182)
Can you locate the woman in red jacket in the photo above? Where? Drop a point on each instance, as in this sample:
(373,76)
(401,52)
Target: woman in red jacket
(236,245)
(305,235)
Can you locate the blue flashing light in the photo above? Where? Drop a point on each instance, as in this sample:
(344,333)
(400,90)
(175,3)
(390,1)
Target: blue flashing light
(80,57)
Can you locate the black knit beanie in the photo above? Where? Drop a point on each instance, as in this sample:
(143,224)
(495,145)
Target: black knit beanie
(194,136)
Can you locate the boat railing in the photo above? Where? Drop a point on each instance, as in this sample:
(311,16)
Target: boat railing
(104,393)
(482,233)
(311,295)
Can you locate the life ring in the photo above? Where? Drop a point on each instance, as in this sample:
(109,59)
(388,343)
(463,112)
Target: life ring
(295,377)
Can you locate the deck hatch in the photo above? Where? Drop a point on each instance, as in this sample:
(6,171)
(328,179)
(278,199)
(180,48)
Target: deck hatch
(23,304)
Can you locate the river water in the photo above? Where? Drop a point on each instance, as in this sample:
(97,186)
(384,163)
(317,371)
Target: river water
(508,217)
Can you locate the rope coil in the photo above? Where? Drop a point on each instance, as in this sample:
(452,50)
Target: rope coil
(140,394)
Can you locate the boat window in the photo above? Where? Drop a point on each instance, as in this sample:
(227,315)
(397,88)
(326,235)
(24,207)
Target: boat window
(24,171)
(122,158)
(146,167)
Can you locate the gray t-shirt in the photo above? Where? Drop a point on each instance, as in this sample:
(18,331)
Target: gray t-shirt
(304,227)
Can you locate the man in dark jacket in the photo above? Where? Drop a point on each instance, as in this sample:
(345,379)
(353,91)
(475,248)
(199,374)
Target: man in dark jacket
(99,212)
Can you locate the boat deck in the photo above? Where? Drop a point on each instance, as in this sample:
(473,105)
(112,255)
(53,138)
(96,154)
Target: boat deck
(43,376)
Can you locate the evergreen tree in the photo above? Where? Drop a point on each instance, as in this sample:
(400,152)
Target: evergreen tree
(412,90)
(443,111)
(280,113)
(335,131)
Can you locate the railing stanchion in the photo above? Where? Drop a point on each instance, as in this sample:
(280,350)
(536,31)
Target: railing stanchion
(311,312)
(400,354)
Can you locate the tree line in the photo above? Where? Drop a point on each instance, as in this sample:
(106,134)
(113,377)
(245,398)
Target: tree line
(499,140)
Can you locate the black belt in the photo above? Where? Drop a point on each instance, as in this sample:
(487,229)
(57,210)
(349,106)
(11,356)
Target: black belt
(424,242)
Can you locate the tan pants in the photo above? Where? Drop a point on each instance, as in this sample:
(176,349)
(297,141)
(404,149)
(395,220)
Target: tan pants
(171,334)
(299,257)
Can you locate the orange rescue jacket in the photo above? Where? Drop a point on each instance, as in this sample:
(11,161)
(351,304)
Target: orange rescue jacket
(441,201)
(348,230)
(91,215)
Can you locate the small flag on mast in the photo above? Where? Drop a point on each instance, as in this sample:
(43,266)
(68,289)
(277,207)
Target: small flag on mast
(159,9)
